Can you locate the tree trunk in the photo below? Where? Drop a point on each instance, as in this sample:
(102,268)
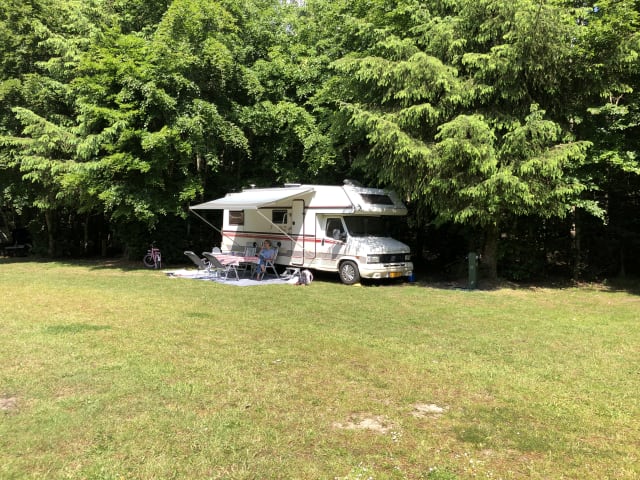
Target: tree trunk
(490,254)
(85,233)
(7,224)
(576,247)
(49,219)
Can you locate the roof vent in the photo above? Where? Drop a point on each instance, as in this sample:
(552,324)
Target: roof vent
(351,183)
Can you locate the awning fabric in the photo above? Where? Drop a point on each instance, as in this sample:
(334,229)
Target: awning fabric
(252,199)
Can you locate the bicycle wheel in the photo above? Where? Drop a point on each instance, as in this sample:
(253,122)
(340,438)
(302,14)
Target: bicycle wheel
(148,261)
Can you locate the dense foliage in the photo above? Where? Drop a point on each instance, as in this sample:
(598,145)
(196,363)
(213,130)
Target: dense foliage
(510,127)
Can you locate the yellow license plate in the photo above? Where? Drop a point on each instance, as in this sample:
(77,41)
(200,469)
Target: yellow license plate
(395,274)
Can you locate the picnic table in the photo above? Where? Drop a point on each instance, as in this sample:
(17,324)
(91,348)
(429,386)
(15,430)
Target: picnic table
(239,260)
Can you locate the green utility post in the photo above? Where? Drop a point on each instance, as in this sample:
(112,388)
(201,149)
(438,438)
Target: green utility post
(473,270)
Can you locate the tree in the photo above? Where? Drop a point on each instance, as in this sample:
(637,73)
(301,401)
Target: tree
(156,113)
(451,100)
(605,110)
(287,143)
(38,143)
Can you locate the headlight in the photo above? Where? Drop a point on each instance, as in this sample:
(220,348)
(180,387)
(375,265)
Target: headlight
(373,259)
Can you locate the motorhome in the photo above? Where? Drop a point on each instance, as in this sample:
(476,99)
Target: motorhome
(329,228)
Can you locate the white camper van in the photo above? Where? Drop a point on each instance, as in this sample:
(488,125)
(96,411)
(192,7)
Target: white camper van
(330,228)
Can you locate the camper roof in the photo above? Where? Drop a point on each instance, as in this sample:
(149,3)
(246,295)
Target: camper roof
(252,199)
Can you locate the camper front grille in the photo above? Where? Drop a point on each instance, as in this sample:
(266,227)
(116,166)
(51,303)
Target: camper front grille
(389,258)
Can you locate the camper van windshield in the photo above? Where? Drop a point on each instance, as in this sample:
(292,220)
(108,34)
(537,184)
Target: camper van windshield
(361,226)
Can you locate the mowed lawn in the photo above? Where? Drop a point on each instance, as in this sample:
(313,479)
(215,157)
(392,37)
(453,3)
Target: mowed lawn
(112,373)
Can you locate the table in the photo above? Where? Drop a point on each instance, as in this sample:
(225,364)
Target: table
(237,260)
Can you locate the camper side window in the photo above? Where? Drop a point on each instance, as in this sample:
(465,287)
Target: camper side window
(335,229)
(236,217)
(279,217)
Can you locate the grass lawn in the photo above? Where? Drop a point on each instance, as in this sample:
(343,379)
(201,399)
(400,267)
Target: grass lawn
(111,373)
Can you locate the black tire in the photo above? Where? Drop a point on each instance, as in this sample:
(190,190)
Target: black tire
(148,261)
(349,273)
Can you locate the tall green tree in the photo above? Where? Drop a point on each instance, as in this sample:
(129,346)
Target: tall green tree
(605,109)
(287,142)
(452,99)
(156,112)
(38,140)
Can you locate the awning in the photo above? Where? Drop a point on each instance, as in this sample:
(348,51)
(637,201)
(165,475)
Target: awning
(252,199)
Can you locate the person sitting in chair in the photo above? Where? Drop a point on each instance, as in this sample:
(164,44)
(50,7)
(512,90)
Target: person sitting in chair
(266,254)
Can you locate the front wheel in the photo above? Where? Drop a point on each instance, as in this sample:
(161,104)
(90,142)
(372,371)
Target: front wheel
(148,261)
(349,273)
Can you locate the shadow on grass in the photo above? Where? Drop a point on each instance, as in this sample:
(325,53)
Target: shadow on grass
(75,328)
(97,263)
(629,285)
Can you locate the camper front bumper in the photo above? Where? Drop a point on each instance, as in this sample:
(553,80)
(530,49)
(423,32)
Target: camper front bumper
(386,270)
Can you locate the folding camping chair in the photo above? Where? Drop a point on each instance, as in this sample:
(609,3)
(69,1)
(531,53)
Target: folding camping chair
(247,267)
(201,263)
(270,265)
(223,268)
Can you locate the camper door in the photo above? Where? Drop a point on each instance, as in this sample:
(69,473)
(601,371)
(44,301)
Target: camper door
(297,231)
(333,244)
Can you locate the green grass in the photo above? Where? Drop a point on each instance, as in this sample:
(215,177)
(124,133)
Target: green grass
(109,373)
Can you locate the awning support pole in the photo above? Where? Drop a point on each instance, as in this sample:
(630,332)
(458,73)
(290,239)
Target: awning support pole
(267,219)
(210,224)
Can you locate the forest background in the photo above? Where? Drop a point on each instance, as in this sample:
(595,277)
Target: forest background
(510,127)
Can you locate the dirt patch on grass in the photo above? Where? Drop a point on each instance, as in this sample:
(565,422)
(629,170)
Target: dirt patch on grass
(426,410)
(382,425)
(8,404)
(361,421)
